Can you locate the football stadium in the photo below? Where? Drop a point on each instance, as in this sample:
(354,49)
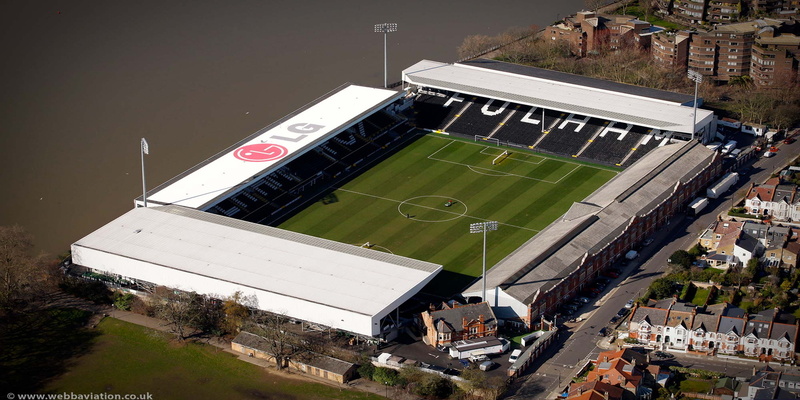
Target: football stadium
(344,210)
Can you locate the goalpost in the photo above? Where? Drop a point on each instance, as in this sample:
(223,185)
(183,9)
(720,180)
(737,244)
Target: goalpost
(479,138)
(501,157)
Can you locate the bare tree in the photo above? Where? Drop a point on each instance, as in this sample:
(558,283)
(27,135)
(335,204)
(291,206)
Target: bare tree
(474,45)
(23,277)
(179,308)
(594,5)
(280,341)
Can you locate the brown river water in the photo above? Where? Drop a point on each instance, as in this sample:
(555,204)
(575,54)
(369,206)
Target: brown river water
(82,81)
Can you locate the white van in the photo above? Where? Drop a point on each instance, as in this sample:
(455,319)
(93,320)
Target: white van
(514,356)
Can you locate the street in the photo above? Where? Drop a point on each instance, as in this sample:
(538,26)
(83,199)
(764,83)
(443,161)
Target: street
(577,343)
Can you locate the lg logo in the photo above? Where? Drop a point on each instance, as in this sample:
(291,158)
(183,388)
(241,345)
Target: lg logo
(263,152)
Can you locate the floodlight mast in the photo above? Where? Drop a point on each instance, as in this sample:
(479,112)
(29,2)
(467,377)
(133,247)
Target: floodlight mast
(698,79)
(145,149)
(385,28)
(483,227)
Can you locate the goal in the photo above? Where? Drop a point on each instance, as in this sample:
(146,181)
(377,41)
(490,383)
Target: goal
(501,157)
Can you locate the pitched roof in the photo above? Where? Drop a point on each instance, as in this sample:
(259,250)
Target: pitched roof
(580,388)
(330,364)
(653,316)
(731,325)
(454,317)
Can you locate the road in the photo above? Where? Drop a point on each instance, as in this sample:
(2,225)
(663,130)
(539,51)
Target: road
(577,343)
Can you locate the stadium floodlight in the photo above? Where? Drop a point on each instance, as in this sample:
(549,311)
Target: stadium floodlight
(385,28)
(698,79)
(483,227)
(145,149)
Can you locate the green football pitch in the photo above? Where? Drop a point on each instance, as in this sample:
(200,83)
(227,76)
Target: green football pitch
(420,202)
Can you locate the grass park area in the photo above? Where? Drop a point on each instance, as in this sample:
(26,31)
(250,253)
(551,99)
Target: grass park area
(130,359)
(399,205)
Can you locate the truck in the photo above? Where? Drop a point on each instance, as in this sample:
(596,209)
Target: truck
(697,205)
(722,185)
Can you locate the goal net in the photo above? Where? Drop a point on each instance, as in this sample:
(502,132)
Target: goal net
(500,158)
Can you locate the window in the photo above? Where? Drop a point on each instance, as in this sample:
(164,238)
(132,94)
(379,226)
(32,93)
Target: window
(473,330)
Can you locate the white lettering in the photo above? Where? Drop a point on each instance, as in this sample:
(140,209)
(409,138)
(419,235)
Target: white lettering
(453,99)
(527,118)
(485,109)
(581,122)
(622,131)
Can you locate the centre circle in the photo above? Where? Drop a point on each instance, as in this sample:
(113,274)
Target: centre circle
(432,208)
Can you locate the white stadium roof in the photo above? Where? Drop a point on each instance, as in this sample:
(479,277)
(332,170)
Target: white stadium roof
(272,146)
(561,95)
(151,243)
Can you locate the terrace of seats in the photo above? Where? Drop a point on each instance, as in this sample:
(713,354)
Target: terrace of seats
(569,133)
(430,112)
(614,141)
(523,127)
(482,116)
(649,141)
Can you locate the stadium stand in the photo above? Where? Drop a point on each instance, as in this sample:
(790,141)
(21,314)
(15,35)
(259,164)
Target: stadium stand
(524,127)
(434,109)
(569,135)
(518,125)
(267,199)
(482,117)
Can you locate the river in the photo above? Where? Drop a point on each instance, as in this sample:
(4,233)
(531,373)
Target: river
(83,81)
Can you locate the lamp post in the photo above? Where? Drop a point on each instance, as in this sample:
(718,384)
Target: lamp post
(145,149)
(483,227)
(385,28)
(698,79)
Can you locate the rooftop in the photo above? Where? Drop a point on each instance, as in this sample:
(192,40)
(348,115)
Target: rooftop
(559,91)
(317,270)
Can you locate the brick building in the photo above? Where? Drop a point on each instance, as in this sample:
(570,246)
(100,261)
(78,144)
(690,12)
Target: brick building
(588,32)
(671,49)
(458,322)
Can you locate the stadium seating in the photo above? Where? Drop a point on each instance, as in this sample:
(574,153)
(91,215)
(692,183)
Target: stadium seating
(481,117)
(268,198)
(522,128)
(430,111)
(569,134)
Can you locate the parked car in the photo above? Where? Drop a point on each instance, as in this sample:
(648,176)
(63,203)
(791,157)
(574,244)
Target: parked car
(584,300)
(663,355)
(514,356)
(612,274)
(629,304)
(464,363)
(487,365)
(647,242)
(478,358)
(602,332)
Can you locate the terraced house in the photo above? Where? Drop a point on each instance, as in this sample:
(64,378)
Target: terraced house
(671,324)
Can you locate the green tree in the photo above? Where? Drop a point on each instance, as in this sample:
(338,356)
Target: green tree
(123,301)
(681,257)
(434,386)
(387,376)
(235,310)
(662,288)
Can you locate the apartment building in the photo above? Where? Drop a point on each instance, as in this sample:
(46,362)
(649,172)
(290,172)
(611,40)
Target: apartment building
(588,32)
(671,49)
